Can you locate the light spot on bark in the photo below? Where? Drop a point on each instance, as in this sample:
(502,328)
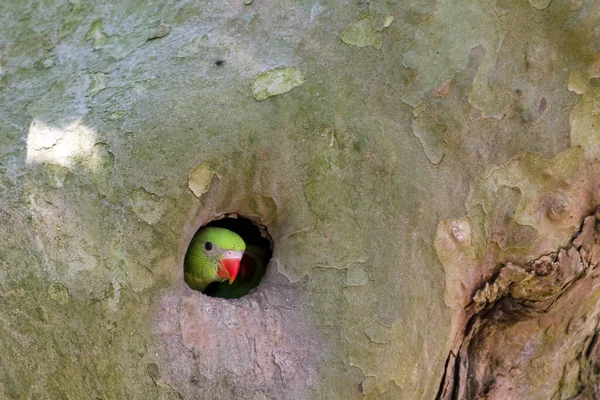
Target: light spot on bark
(96,35)
(362,33)
(276,81)
(388,21)
(578,82)
(539,4)
(199,179)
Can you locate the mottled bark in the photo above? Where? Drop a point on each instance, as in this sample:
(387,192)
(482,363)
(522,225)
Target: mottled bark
(421,167)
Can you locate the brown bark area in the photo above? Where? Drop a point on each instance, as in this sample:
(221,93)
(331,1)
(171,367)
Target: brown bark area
(527,322)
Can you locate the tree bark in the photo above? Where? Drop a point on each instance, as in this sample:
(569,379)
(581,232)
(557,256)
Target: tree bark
(427,170)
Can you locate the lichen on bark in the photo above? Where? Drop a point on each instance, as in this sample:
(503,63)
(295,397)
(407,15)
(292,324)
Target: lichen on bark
(419,158)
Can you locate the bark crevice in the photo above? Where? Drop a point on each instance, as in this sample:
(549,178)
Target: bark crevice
(529,316)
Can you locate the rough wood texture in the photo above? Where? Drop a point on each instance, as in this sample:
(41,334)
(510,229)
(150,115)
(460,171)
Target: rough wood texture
(414,163)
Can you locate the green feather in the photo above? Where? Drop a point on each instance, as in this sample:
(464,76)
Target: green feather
(200,268)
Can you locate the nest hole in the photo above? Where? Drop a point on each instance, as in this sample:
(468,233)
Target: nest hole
(252,266)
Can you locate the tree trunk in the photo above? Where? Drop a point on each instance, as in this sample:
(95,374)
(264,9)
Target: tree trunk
(428,173)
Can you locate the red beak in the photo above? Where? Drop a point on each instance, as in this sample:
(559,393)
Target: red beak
(228,268)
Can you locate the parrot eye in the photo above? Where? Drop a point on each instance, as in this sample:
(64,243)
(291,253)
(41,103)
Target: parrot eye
(208,246)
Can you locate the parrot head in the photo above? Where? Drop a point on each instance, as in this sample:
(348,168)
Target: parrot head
(213,255)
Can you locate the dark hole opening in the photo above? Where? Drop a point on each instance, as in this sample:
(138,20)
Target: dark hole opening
(252,266)
(595,82)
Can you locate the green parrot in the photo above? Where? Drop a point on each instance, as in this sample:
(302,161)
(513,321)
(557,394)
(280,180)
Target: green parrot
(252,269)
(213,256)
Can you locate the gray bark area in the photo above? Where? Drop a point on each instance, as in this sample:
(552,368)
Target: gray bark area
(423,168)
